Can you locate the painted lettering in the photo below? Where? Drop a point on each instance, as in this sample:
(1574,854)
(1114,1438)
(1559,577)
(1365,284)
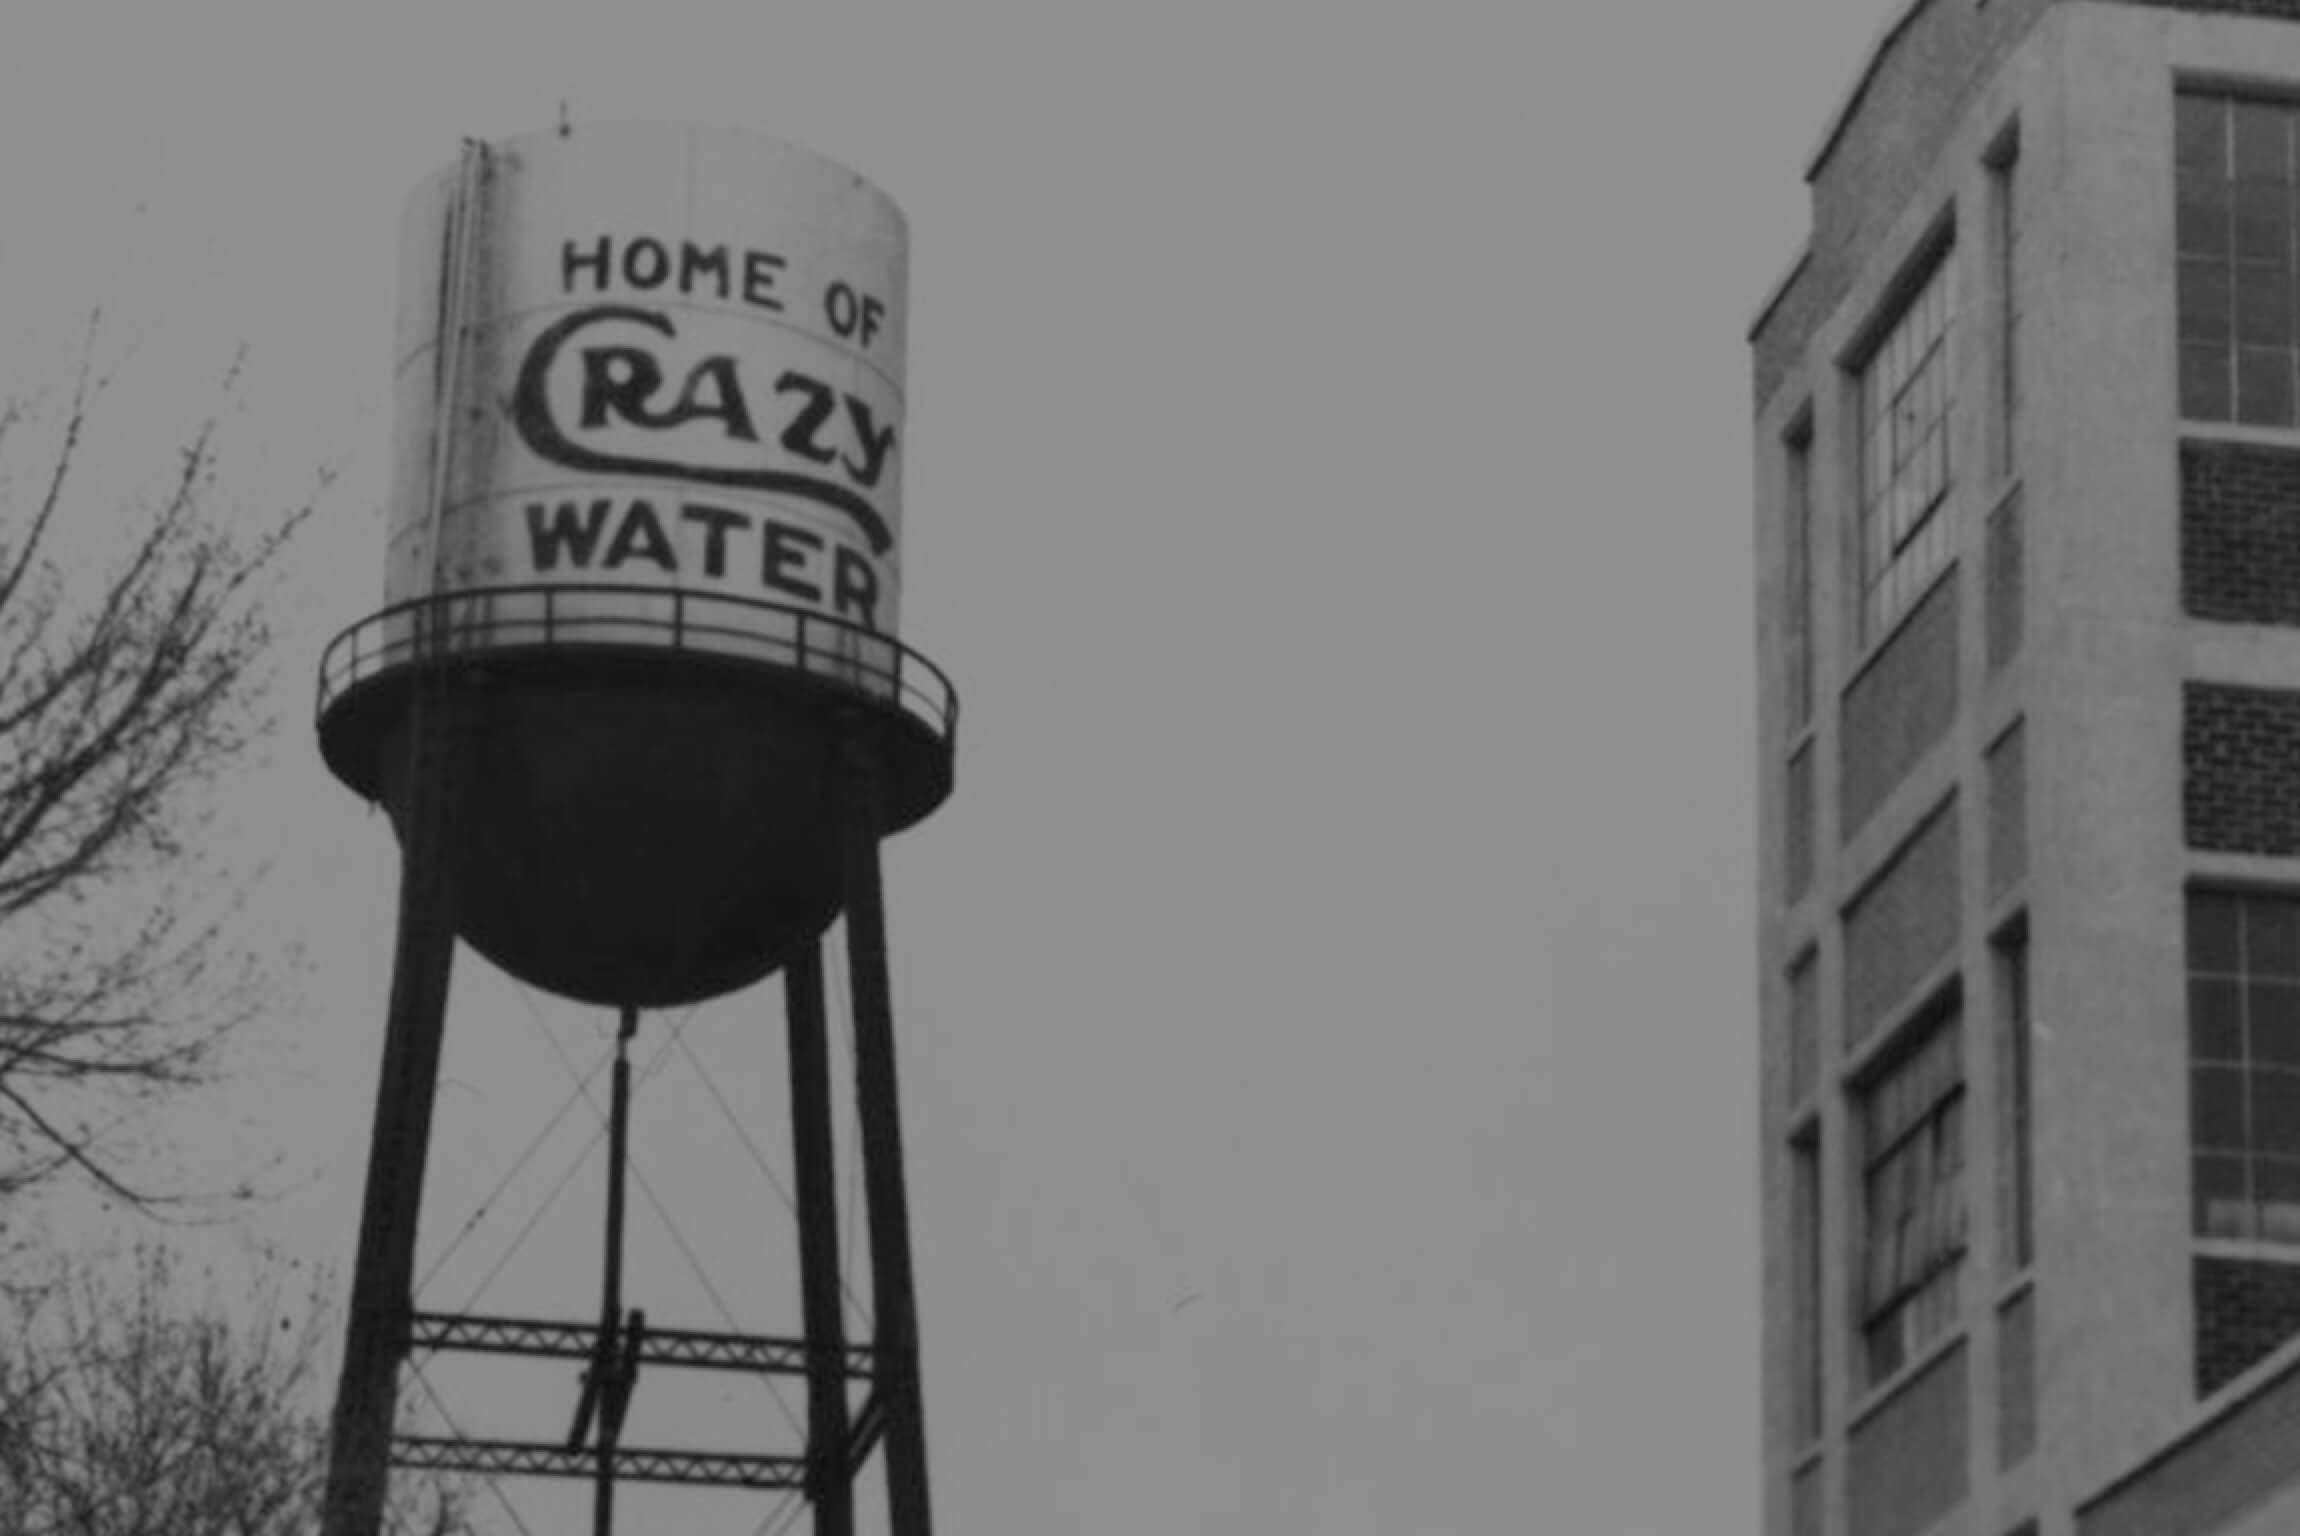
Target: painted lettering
(795,564)
(712,413)
(726,405)
(854,587)
(716,521)
(760,271)
(646,263)
(706,261)
(570,531)
(618,381)
(642,538)
(852,316)
(876,442)
(802,436)
(573,261)
(783,550)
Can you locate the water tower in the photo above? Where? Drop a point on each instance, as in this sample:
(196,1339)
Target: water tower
(637,709)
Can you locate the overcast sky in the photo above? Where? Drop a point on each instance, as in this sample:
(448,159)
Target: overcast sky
(1327,1006)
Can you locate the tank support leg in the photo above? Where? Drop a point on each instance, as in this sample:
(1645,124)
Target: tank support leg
(896,1354)
(375,1341)
(610,1386)
(830,1486)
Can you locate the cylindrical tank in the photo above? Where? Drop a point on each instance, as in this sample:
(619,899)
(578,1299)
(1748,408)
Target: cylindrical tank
(645,529)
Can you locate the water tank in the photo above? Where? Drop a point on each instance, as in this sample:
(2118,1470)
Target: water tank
(645,542)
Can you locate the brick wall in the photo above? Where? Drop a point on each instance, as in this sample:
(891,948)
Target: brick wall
(2240,532)
(1906,1465)
(2240,760)
(2004,584)
(2016,1379)
(1902,925)
(2008,811)
(1899,708)
(2244,1310)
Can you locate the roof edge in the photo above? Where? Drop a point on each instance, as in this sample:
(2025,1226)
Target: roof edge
(2277,1370)
(1779,291)
(1850,102)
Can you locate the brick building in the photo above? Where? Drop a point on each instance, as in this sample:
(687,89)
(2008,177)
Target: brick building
(2028,513)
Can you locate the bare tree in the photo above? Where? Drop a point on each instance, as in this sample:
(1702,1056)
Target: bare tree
(129,643)
(129,1409)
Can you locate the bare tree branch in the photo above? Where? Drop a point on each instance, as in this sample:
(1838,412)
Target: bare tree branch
(128,1408)
(126,688)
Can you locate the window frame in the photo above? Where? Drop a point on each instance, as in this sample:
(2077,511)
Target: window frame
(2212,255)
(2254,1077)
(1899,1323)
(2004,168)
(1808,1238)
(1800,589)
(2009,955)
(1904,450)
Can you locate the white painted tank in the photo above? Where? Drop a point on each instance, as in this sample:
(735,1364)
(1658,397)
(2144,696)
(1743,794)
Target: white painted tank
(647,509)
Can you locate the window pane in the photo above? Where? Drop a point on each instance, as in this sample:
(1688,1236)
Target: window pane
(2260,141)
(2276,1112)
(2204,386)
(2264,386)
(2222,1208)
(2216,1020)
(2214,926)
(2205,300)
(2263,305)
(2273,1009)
(2216,1109)
(2261,222)
(2202,218)
(1885,1349)
(2200,133)
(2271,937)
(1905,470)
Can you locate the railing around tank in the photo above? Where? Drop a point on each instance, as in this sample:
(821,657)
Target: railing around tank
(535,618)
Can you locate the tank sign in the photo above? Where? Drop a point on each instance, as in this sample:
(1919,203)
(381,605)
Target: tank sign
(653,355)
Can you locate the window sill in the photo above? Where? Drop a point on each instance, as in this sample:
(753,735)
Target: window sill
(1876,1399)
(1866,656)
(2007,489)
(1939,990)
(2250,1250)
(2239,432)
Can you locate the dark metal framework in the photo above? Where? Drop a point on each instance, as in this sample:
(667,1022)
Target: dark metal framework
(799,643)
(383,1329)
(694,1348)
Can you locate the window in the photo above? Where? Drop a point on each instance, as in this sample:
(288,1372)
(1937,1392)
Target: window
(2244,1064)
(1805,1255)
(1804,1028)
(2233,229)
(1797,579)
(1905,390)
(2016,1242)
(1911,1128)
(2004,169)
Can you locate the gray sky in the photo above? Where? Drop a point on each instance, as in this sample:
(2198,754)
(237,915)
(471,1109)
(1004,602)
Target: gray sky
(1327,1006)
